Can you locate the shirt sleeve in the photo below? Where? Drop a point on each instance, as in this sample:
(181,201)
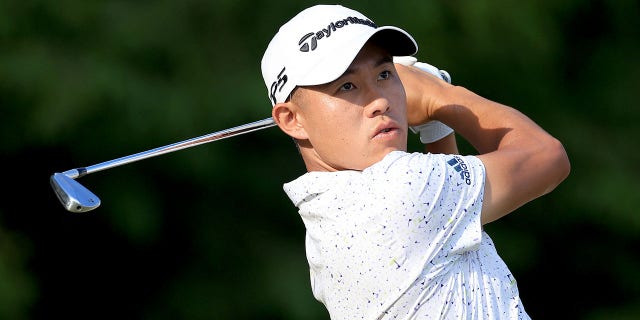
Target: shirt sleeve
(452,186)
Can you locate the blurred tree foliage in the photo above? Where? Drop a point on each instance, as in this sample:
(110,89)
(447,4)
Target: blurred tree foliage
(207,233)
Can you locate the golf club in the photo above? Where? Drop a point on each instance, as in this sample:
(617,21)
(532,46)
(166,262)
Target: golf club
(76,198)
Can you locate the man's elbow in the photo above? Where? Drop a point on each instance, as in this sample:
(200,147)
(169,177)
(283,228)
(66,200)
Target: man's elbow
(558,164)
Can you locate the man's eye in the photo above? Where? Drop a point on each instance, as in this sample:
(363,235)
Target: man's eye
(347,86)
(384,75)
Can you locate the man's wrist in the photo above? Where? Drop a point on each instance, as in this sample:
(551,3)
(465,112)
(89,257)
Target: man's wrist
(433,130)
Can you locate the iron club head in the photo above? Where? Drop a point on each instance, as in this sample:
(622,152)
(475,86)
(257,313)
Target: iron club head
(73,196)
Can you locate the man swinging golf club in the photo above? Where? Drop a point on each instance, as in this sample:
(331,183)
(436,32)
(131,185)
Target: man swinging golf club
(392,234)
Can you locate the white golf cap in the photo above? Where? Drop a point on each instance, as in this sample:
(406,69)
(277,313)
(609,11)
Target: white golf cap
(318,44)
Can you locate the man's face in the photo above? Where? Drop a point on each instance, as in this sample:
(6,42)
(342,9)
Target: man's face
(354,121)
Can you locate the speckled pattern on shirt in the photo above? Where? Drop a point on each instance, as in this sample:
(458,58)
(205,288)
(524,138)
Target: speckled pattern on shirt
(402,239)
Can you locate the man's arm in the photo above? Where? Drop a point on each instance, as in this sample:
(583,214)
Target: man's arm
(522,161)
(446,145)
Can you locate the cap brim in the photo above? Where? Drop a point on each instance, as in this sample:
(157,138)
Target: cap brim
(401,44)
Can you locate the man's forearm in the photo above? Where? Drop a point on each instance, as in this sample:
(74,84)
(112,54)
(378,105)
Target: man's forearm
(486,124)
(446,145)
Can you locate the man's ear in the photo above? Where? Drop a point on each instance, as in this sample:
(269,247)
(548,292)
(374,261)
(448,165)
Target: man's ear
(287,116)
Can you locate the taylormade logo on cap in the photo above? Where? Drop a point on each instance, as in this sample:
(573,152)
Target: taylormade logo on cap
(318,44)
(306,46)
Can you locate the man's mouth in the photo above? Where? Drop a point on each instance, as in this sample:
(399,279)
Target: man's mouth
(386,129)
(385,132)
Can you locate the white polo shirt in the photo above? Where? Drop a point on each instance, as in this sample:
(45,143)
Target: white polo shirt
(403,239)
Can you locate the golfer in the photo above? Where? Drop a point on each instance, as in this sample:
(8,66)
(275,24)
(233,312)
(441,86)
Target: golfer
(392,234)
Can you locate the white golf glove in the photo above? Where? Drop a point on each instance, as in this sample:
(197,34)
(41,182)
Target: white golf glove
(433,130)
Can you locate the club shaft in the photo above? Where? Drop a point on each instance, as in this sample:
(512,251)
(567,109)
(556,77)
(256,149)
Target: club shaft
(226,133)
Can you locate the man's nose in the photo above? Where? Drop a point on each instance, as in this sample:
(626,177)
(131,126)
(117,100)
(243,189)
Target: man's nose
(378,103)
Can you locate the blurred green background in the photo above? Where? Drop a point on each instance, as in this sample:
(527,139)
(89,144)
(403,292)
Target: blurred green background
(207,232)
